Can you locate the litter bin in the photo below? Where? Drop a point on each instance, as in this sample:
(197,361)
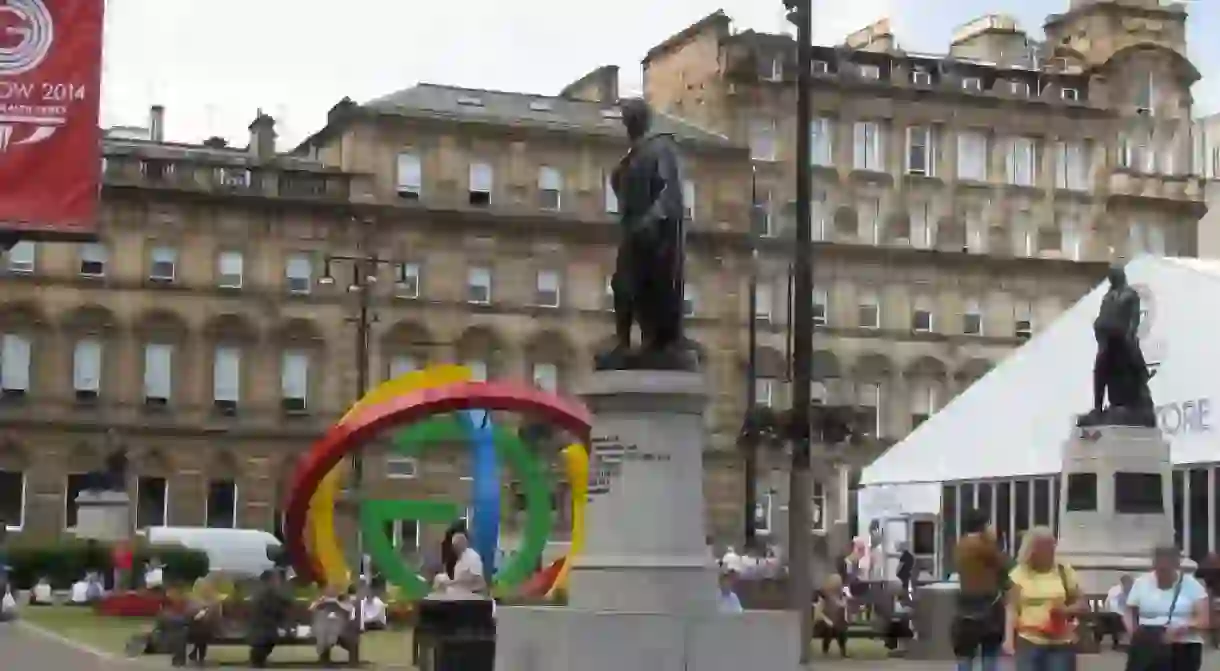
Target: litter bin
(932,620)
(456,635)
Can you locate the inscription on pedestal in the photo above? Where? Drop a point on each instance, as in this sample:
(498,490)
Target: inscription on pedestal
(606,457)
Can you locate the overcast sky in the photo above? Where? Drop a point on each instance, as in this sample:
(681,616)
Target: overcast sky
(213,63)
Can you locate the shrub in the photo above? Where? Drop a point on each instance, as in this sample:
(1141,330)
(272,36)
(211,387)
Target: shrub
(65,561)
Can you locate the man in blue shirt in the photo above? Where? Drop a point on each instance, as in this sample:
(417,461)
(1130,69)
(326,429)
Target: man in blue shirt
(729,603)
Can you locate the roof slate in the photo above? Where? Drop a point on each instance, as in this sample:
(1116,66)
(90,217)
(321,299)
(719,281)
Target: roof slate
(507,108)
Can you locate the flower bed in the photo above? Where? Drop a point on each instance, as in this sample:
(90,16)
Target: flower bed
(145,604)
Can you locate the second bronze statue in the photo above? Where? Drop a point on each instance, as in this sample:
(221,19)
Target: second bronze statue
(1120,374)
(648,277)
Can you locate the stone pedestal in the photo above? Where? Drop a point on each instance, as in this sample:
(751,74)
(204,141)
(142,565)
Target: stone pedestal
(103,516)
(932,621)
(1102,535)
(643,593)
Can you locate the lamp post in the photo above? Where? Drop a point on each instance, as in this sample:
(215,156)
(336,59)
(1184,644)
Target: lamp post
(749,438)
(364,264)
(800,12)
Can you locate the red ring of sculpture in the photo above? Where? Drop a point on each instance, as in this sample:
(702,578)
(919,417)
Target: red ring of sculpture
(345,437)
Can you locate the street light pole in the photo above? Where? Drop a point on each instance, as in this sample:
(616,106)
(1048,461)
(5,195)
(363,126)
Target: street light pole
(365,265)
(749,433)
(360,283)
(800,540)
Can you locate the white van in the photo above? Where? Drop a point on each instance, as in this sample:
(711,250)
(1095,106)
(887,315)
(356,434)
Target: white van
(240,552)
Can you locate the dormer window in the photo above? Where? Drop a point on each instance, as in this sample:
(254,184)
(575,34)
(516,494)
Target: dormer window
(821,68)
(612,113)
(777,69)
(1069,94)
(470,101)
(972,84)
(921,78)
(870,71)
(541,106)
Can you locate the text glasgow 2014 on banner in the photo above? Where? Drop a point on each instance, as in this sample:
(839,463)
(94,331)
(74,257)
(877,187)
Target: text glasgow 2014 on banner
(50,76)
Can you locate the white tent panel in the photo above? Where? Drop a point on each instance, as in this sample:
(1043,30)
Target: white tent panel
(1014,420)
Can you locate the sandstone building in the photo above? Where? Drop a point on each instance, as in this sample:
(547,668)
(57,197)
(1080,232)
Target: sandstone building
(964,201)
(964,198)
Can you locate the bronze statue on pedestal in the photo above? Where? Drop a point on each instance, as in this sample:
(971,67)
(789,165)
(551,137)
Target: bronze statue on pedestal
(648,277)
(1119,370)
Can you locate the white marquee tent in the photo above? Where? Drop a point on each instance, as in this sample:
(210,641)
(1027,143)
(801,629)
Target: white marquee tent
(1014,420)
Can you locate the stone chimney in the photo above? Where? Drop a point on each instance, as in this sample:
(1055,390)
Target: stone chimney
(156,123)
(262,137)
(878,37)
(995,37)
(599,86)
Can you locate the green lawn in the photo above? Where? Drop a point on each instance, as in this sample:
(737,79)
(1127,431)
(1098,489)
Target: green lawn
(380,649)
(109,634)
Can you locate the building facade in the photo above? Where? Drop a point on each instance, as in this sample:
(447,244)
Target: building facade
(964,202)
(199,334)
(1209,226)
(962,199)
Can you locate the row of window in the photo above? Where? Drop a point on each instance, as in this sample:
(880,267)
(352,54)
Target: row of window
(922,76)
(920,227)
(299,274)
(481,185)
(151,501)
(227,362)
(230,268)
(922,318)
(1022,156)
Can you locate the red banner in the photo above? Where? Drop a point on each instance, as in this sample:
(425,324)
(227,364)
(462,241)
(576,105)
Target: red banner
(50,143)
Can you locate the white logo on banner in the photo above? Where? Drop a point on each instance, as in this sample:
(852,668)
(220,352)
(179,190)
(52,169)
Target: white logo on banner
(29,22)
(26,36)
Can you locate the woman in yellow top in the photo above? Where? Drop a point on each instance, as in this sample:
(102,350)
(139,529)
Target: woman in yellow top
(1043,603)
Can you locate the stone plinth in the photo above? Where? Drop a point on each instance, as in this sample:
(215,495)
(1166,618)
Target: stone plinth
(103,516)
(643,593)
(567,639)
(645,544)
(932,620)
(1100,536)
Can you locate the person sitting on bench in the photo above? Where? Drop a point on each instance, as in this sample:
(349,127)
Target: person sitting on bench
(372,609)
(269,610)
(893,616)
(205,614)
(1110,622)
(335,621)
(40,594)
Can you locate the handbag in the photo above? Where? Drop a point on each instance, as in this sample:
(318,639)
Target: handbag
(1148,650)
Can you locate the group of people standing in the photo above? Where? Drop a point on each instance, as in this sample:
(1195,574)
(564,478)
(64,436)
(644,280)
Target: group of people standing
(1029,609)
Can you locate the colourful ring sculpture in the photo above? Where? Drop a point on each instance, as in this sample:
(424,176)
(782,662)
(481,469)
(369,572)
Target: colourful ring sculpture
(323,548)
(366,422)
(576,463)
(510,449)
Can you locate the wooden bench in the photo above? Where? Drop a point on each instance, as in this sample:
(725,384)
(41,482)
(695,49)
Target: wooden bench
(232,628)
